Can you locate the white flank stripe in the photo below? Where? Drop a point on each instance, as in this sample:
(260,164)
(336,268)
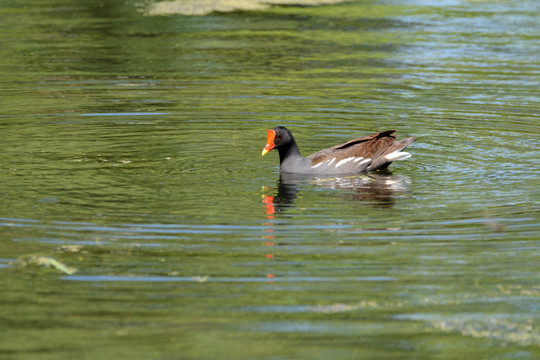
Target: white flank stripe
(363,162)
(331,161)
(358,159)
(397,155)
(344,161)
(314,166)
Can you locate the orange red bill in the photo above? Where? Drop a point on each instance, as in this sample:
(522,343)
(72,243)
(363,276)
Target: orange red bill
(270,136)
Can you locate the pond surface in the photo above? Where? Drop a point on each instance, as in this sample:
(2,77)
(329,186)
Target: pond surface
(130,164)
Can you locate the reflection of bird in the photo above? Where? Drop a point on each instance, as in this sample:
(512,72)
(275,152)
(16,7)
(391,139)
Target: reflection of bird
(371,152)
(375,189)
(378,190)
(286,194)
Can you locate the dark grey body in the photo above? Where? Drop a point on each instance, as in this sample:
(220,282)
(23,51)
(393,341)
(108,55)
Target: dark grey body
(372,152)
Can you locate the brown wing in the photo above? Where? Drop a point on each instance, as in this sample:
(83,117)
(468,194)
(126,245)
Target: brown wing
(368,147)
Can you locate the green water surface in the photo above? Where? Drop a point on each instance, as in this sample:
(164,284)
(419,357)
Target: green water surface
(130,164)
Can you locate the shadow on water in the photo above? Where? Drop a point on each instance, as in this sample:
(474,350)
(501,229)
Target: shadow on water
(378,190)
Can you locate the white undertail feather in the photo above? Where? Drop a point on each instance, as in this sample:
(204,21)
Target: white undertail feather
(398,155)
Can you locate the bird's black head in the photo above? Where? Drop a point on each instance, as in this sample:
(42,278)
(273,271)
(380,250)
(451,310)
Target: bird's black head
(277,137)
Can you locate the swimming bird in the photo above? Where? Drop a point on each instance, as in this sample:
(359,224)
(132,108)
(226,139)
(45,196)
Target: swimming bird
(366,153)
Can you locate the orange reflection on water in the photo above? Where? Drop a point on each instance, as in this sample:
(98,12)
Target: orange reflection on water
(270,210)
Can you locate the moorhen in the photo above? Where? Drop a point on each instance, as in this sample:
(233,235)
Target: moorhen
(371,152)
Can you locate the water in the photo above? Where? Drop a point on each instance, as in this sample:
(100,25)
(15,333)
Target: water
(130,151)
